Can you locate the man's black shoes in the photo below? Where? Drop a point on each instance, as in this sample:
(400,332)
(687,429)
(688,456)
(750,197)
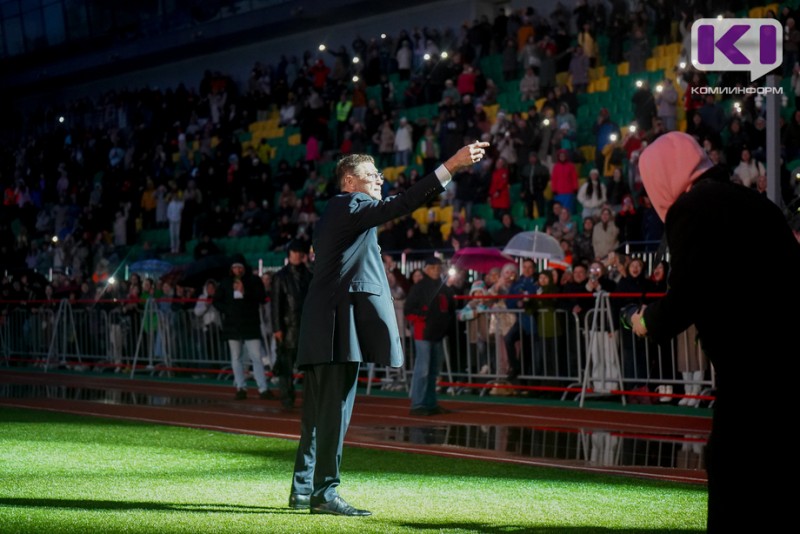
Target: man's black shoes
(241,394)
(299,502)
(425,412)
(338,506)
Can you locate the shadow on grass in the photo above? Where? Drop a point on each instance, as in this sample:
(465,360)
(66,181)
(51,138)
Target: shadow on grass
(90,505)
(477,526)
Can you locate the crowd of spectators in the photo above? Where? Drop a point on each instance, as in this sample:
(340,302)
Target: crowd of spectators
(84,177)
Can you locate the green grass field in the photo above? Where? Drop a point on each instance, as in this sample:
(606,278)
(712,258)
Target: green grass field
(62,473)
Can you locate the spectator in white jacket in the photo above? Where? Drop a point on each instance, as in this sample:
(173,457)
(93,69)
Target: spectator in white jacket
(667,104)
(592,195)
(529,86)
(403,143)
(174,211)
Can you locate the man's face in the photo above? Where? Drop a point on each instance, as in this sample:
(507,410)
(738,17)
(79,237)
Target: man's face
(237,271)
(296,257)
(367,180)
(579,275)
(434,271)
(527,269)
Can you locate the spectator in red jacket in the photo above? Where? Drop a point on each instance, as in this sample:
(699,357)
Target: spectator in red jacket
(500,190)
(564,181)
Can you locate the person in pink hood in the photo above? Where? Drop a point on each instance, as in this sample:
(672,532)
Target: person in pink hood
(708,221)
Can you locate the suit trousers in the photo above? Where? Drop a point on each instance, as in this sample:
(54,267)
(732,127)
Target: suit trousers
(329,391)
(284,370)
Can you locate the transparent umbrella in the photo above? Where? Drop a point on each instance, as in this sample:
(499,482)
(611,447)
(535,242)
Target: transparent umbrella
(536,245)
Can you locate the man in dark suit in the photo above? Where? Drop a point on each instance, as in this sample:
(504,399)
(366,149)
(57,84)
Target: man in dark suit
(349,318)
(741,326)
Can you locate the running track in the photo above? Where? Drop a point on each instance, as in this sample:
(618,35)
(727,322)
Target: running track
(212,407)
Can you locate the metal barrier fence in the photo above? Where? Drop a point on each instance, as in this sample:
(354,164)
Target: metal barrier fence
(496,351)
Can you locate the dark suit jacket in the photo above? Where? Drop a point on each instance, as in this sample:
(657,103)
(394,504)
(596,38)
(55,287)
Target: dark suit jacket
(348,314)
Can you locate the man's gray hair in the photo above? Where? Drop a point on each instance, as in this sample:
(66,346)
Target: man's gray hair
(347,165)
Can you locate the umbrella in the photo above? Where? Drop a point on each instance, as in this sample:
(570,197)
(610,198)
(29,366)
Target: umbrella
(480,259)
(154,268)
(536,245)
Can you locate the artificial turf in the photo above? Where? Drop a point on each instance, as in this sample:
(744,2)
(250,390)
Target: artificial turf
(65,473)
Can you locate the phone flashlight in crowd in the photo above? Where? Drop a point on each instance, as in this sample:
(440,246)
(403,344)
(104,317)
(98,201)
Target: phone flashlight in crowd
(443,55)
(594,273)
(112,280)
(322,48)
(682,64)
(61,119)
(639,83)
(612,137)
(546,122)
(383,36)
(659,88)
(632,128)
(451,271)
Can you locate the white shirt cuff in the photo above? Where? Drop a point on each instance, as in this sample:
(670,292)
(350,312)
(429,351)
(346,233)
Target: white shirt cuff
(443,175)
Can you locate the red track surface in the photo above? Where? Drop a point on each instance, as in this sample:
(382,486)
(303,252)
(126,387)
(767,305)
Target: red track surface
(212,407)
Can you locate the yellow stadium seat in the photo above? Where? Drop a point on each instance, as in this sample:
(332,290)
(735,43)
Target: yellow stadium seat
(214,141)
(445,214)
(421,216)
(756,12)
(591,88)
(295,140)
(491,112)
(562,78)
(682,125)
(659,50)
(274,133)
(176,157)
(775,8)
(651,65)
(624,68)
(602,84)
(540,104)
(446,228)
(548,192)
(675,49)
(258,125)
(588,152)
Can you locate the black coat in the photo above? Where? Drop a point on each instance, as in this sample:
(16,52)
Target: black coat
(431,308)
(747,321)
(289,290)
(241,318)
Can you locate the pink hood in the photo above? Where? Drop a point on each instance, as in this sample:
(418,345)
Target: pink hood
(669,166)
